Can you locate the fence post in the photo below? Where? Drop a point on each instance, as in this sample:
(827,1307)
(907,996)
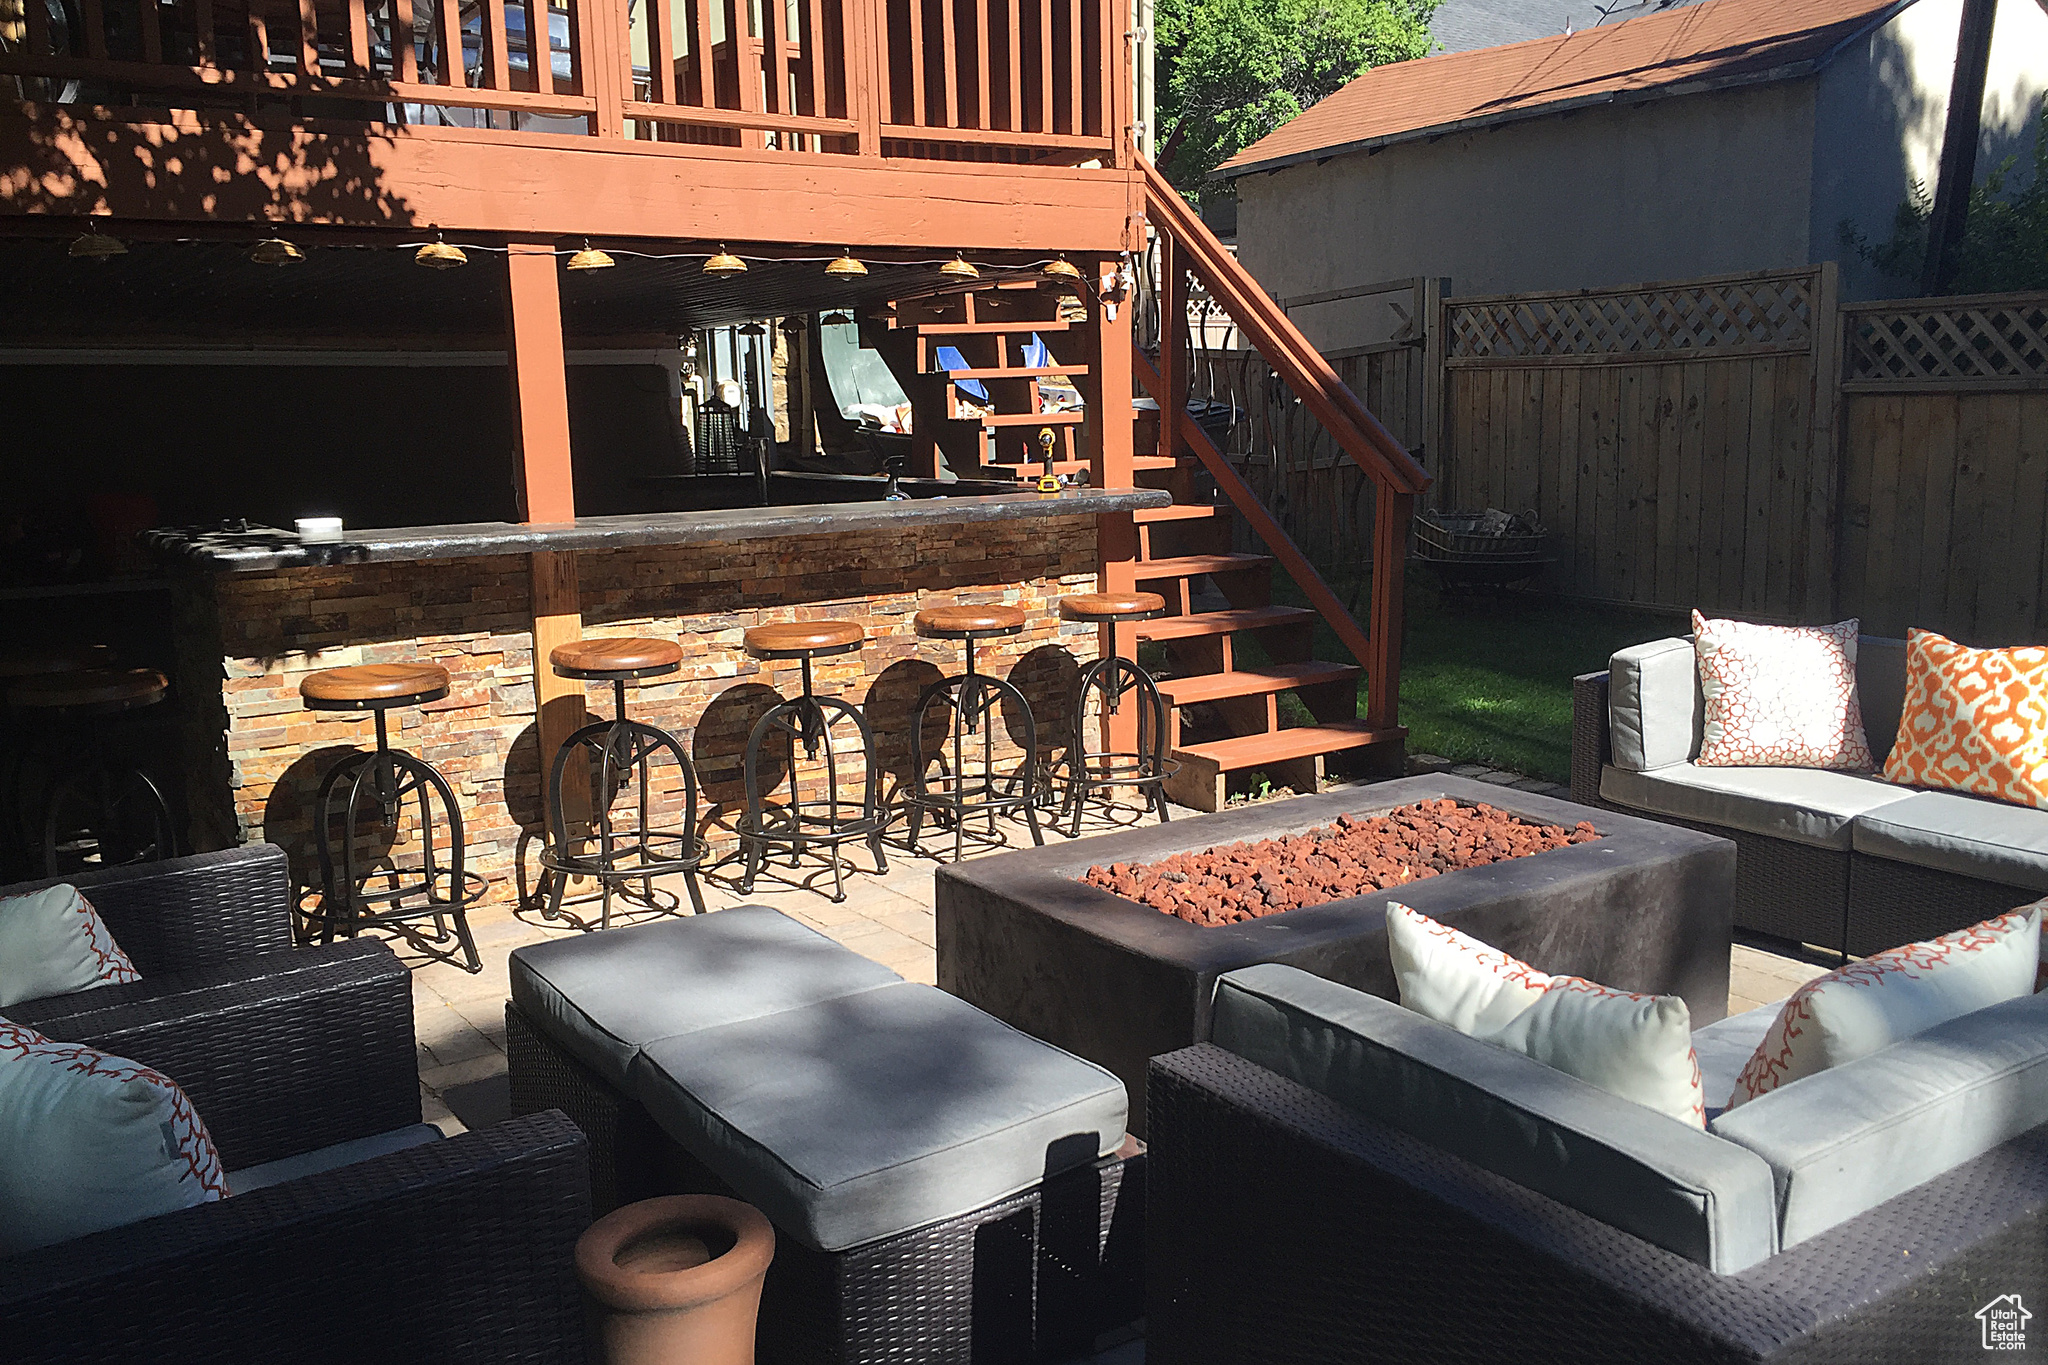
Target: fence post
(1435,350)
(1824,486)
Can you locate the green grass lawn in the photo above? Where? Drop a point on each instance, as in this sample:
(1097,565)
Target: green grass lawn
(1489,679)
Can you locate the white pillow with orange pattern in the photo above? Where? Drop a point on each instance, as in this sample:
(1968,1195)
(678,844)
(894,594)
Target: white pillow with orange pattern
(1636,1046)
(1974,720)
(52,942)
(1867,1006)
(1779,696)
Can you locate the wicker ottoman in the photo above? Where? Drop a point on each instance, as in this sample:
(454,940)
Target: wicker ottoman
(944,1188)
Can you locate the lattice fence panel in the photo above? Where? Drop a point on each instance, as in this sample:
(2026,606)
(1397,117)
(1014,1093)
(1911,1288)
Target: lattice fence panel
(2003,341)
(1761,313)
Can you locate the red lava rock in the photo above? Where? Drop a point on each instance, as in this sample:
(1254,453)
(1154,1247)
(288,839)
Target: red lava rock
(1348,857)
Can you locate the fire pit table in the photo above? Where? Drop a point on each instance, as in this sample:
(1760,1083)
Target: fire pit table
(1644,907)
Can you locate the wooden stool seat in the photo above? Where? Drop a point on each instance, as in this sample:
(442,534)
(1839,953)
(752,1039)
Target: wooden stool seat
(632,657)
(108,689)
(804,639)
(370,687)
(968,622)
(1112,606)
(28,661)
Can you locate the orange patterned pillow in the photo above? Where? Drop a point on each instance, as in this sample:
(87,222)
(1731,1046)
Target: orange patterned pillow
(1975,720)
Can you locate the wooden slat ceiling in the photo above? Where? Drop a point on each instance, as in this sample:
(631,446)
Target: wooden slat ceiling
(211,292)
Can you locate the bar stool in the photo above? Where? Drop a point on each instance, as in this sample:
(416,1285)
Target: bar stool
(384,778)
(30,760)
(106,812)
(1109,680)
(617,752)
(806,720)
(974,701)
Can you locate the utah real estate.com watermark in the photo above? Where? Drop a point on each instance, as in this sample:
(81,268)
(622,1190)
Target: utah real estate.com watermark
(2004,1320)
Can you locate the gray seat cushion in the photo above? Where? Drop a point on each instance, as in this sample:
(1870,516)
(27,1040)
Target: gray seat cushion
(1855,1135)
(1724,1047)
(1970,836)
(331,1158)
(1631,1167)
(1805,805)
(601,996)
(1654,706)
(854,1119)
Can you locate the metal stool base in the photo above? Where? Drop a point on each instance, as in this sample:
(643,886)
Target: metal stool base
(623,854)
(796,826)
(350,900)
(974,702)
(1085,771)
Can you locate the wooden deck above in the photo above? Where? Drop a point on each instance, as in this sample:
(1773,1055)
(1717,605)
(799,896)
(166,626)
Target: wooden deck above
(975,124)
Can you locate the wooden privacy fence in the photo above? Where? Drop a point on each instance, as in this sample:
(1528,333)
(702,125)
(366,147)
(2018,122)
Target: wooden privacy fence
(1749,445)
(1945,465)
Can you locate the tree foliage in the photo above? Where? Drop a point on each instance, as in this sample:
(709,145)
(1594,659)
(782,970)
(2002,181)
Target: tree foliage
(1231,71)
(2005,237)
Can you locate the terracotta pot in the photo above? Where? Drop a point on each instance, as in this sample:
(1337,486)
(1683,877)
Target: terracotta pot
(678,1279)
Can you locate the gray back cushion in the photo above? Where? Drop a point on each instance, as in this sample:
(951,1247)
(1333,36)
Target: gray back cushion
(1881,688)
(1853,1136)
(1654,705)
(859,1118)
(1669,1184)
(601,996)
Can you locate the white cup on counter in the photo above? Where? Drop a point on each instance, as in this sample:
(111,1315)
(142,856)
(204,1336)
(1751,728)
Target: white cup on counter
(318,530)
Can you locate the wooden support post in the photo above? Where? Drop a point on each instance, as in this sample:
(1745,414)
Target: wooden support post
(1109,394)
(1958,168)
(1430,316)
(1825,493)
(546,487)
(1392,512)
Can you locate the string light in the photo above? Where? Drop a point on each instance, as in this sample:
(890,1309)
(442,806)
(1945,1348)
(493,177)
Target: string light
(846,264)
(590,258)
(92,245)
(960,266)
(440,255)
(724,263)
(275,251)
(1061,268)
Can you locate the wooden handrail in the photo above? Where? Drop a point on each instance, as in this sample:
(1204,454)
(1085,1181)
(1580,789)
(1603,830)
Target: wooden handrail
(1233,487)
(1357,432)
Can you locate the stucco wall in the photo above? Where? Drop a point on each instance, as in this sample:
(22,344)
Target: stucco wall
(1879,115)
(1697,185)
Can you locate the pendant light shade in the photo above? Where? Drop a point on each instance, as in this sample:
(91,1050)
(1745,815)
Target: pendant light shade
(440,255)
(724,263)
(590,258)
(960,266)
(846,264)
(92,245)
(1061,269)
(275,251)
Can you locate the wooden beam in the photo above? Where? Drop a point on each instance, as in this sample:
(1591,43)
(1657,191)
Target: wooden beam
(1959,145)
(540,391)
(476,180)
(533,306)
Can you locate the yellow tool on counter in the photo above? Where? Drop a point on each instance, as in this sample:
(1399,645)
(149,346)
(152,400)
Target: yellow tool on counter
(1048,482)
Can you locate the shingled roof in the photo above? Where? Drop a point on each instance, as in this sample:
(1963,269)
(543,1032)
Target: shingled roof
(1700,47)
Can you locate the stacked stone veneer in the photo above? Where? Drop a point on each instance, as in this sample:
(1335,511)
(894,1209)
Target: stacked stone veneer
(254,764)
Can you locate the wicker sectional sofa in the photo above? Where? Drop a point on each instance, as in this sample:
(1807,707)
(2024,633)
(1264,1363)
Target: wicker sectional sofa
(1335,1179)
(1843,861)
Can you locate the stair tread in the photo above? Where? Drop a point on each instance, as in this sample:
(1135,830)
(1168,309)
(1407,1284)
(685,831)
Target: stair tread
(1221,622)
(1180,511)
(944,329)
(1194,566)
(1155,462)
(1275,746)
(1252,682)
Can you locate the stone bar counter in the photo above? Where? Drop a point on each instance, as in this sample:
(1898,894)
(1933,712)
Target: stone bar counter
(257,609)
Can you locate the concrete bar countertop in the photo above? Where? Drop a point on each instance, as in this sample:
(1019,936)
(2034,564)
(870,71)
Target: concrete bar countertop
(259,549)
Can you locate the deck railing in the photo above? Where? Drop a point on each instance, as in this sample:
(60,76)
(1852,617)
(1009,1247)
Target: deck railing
(998,80)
